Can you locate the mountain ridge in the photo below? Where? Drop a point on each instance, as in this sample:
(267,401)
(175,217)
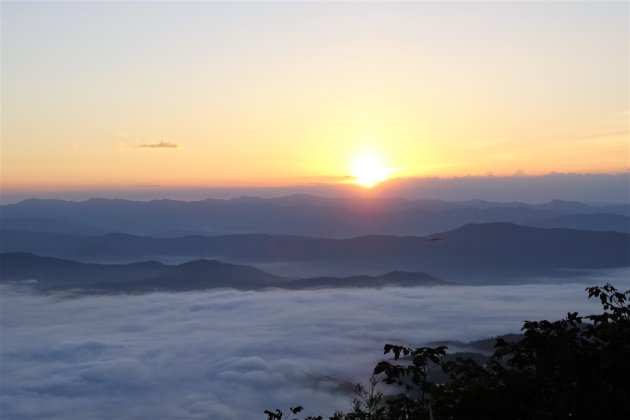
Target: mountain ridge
(307,215)
(49,273)
(472,251)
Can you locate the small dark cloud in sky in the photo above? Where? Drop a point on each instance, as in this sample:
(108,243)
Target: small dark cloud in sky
(160,145)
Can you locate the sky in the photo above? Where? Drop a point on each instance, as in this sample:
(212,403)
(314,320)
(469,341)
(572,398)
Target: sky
(226,354)
(102,95)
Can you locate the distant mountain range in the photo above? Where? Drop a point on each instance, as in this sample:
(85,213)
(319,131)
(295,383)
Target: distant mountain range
(47,273)
(475,253)
(303,215)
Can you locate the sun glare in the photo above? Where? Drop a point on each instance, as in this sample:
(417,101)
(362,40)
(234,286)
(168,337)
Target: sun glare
(369,171)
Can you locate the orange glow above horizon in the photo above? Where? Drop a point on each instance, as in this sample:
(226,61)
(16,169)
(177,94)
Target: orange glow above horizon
(211,101)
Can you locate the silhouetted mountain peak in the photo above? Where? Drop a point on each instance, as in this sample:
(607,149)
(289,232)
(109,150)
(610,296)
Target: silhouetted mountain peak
(119,236)
(342,217)
(405,275)
(485,228)
(564,205)
(146,265)
(203,264)
(55,273)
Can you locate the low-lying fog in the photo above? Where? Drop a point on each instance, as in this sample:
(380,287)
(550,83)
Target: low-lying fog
(230,355)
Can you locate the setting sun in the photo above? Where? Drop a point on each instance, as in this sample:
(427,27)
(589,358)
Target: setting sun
(368,170)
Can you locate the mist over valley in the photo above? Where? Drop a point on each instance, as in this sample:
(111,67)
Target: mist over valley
(235,308)
(228,354)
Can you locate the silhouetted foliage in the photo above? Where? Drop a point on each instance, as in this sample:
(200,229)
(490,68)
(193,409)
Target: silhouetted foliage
(279,415)
(577,367)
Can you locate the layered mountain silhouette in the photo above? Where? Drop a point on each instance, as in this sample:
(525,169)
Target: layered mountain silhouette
(593,221)
(302,215)
(47,273)
(487,253)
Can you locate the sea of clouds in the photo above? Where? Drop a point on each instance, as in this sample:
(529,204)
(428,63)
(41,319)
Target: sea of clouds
(226,354)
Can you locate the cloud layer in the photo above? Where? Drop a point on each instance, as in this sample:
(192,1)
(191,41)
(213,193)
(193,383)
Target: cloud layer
(229,355)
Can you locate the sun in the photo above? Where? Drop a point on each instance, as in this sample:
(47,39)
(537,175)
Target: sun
(368,170)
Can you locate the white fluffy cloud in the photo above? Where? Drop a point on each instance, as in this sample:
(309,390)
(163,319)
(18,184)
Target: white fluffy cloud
(229,355)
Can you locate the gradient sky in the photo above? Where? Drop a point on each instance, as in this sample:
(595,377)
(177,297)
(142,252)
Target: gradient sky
(279,93)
